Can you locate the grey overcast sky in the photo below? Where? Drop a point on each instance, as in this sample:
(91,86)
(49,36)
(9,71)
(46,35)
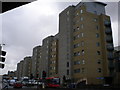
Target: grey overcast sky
(25,27)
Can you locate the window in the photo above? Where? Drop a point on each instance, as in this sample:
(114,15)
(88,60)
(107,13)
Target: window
(78,28)
(76,62)
(95,19)
(81,19)
(74,30)
(97,35)
(67,72)
(77,13)
(76,45)
(82,43)
(83,52)
(81,11)
(98,52)
(82,34)
(77,71)
(83,70)
(67,12)
(77,54)
(82,26)
(99,61)
(83,61)
(97,44)
(67,64)
(97,27)
(99,70)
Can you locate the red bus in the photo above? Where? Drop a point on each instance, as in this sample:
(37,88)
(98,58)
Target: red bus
(53,82)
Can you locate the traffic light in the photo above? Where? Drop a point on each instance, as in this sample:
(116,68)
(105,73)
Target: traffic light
(2,59)
(43,74)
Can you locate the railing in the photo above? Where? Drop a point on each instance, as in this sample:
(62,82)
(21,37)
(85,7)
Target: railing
(110,47)
(108,31)
(107,23)
(109,38)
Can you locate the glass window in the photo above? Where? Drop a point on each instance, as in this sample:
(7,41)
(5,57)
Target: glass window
(83,61)
(95,19)
(67,12)
(82,26)
(77,71)
(77,13)
(99,61)
(78,28)
(67,64)
(82,43)
(81,11)
(99,70)
(83,52)
(83,70)
(97,44)
(97,35)
(67,72)
(97,27)
(82,34)
(81,18)
(98,52)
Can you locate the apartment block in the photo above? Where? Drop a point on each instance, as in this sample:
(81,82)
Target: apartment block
(85,43)
(27,67)
(36,59)
(46,44)
(53,62)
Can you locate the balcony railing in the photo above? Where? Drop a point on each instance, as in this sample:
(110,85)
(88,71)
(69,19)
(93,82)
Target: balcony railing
(109,38)
(110,56)
(111,65)
(110,47)
(107,23)
(108,31)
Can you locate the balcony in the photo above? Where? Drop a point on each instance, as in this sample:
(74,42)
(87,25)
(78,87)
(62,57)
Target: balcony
(109,38)
(108,31)
(107,23)
(110,47)
(110,56)
(111,65)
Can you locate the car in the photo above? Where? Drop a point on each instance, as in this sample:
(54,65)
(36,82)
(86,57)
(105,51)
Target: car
(11,82)
(18,84)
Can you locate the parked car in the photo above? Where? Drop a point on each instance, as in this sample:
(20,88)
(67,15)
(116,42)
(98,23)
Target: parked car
(11,82)
(18,84)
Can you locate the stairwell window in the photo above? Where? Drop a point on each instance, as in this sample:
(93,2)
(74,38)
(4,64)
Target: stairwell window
(81,26)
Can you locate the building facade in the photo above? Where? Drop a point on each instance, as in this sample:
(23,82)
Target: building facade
(85,43)
(26,67)
(36,58)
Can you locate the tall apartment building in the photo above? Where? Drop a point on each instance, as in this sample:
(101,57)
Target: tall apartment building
(19,69)
(27,67)
(53,61)
(46,44)
(36,58)
(85,43)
